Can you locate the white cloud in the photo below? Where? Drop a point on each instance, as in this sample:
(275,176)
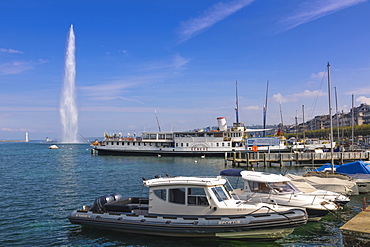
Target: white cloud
(298,96)
(363,99)
(10,51)
(14,68)
(314,9)
(12,130)
(174,64)
(211,16)
(319,75)
(364,90)
(252,107)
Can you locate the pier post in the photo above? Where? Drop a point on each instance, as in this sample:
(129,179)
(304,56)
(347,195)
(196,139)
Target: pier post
(280,159)
(264,160)
(234,158)
(247,159)
(296,159)
(313,158)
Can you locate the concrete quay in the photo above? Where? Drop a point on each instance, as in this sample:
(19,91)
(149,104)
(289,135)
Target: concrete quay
(356,232)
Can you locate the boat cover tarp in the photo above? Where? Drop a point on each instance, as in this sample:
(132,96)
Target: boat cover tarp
(331,184)
(354,168)
(357,167)
(231,172)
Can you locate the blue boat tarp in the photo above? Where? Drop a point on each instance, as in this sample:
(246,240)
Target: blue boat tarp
(231,172)
(357,167)
(354,168)
(325,167)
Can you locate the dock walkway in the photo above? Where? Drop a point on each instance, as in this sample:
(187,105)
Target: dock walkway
(246,159)
(356,232)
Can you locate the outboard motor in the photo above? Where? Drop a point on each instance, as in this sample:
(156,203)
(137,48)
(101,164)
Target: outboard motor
(99,202)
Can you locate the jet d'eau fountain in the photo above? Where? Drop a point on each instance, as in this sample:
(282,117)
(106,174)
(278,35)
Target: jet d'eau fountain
(68,108)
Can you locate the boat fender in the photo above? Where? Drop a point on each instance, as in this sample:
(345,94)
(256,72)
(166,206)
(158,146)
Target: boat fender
(214,208)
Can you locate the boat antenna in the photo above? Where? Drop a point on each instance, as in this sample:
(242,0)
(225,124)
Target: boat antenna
(156,117)
(331,122)
(237,103)
(265,109)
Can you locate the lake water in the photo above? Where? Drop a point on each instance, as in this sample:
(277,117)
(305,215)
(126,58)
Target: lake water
(40,187)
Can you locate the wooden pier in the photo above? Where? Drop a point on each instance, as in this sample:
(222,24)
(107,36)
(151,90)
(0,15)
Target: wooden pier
(246,159)
(356,232)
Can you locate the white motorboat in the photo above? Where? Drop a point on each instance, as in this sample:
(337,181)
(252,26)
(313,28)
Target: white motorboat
(53,147)
(274,188)
(190,207)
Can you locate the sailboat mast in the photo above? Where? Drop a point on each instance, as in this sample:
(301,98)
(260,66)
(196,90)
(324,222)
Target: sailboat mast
(331,122)
(337,116)
(156,117)
(237,103)
(353,123)
(281,117)
(303,126)
(265,109)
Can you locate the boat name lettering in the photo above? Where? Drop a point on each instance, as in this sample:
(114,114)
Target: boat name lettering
(229,222)
(199,149)
(83,215)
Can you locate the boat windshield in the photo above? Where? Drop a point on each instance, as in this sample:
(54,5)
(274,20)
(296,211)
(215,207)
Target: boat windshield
(275,187)
(220,193)
(283,187)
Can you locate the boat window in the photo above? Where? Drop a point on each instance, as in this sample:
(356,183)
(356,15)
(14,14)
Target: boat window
(160,194)
(197,196)
(259,187)
(177,195)
(282,187)
(220,193)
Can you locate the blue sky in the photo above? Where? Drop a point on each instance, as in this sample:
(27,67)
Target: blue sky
(180,59)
